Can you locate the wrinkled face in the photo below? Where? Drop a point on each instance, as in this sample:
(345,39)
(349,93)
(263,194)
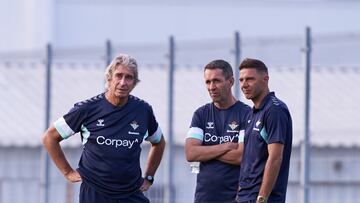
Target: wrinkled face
(218,87)
(122,82)
(253,83)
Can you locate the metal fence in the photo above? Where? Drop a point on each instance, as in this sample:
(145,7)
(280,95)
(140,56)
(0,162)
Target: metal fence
(39,86)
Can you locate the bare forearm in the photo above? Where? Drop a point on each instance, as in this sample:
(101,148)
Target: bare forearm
(271,173)
(154,158)
(56,154)
(231,157)
(206,153)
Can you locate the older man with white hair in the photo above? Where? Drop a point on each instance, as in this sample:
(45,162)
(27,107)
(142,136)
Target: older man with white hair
(112,126)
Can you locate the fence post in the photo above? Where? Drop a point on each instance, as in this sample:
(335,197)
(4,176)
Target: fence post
(305,145)
(45,160)
(1,192)
(170,141)
(109,52)
(237,53)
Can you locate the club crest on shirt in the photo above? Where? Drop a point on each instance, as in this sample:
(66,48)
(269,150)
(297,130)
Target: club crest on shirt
(210,125)
(233,125)
(134,125)
(257,124)
(100,122)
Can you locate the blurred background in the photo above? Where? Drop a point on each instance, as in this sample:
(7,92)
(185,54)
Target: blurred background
(53,53)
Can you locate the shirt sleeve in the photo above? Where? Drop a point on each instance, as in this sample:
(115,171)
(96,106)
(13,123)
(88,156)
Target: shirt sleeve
(277,125)
(196,127)
(154,132)
(70,123)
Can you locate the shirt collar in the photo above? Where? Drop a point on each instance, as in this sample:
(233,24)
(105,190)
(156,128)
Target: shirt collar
(264,101)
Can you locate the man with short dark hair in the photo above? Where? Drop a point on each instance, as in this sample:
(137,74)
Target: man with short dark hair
(215,137)
(112,125)
(268,139)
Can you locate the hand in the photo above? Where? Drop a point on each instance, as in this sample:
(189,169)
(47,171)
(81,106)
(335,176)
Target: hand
(73,176)
(230,145)
(145,186)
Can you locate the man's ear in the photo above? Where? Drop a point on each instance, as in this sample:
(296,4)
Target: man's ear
(231,80)
(266,78)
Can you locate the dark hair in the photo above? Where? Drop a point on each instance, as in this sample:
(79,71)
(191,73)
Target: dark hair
(255,64)
(222,65)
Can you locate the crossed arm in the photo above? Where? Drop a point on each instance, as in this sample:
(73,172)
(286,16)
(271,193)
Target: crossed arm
(228,152)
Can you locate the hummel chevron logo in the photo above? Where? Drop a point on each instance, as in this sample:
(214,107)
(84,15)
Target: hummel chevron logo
(100,122)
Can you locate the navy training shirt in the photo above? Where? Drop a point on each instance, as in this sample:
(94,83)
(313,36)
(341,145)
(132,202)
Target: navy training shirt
(111,138)
(271,123)
(217,181)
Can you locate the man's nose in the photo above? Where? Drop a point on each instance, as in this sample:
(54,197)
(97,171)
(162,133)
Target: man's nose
(243,84)
(122,81)
(212,86)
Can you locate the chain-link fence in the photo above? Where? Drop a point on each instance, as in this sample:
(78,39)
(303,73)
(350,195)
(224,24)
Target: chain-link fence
(77,74)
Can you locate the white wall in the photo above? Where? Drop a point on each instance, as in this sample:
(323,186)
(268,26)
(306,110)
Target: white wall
(25,24)
(88,23)
(29,24)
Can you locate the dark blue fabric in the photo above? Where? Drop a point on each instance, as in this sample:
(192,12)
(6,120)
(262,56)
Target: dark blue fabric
(89,195)
(249,201)
(112,137)
(217,181)
(271,123)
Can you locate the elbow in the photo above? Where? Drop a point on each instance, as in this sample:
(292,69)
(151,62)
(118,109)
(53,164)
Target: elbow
(45,139)
(240,158)
(189,156)
(238,161)
(49,138)
(190,159)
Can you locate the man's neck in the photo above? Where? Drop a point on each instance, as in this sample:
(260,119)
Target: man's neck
(258,101)
(226,104)
(116,101)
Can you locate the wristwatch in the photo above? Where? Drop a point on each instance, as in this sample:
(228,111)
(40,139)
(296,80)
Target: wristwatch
(261,199)
(149,178)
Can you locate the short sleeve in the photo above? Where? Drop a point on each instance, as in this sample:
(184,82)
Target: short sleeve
(70,123)
(154,132)
(277,125)
(196,127)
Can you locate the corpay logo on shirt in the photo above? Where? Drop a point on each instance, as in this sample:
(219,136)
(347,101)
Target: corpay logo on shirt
(101,140)
(221,139)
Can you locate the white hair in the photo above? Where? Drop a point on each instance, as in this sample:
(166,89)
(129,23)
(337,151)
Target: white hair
(122,60)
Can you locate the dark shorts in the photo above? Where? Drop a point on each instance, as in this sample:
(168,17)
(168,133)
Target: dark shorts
(249,201)
(89,195)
